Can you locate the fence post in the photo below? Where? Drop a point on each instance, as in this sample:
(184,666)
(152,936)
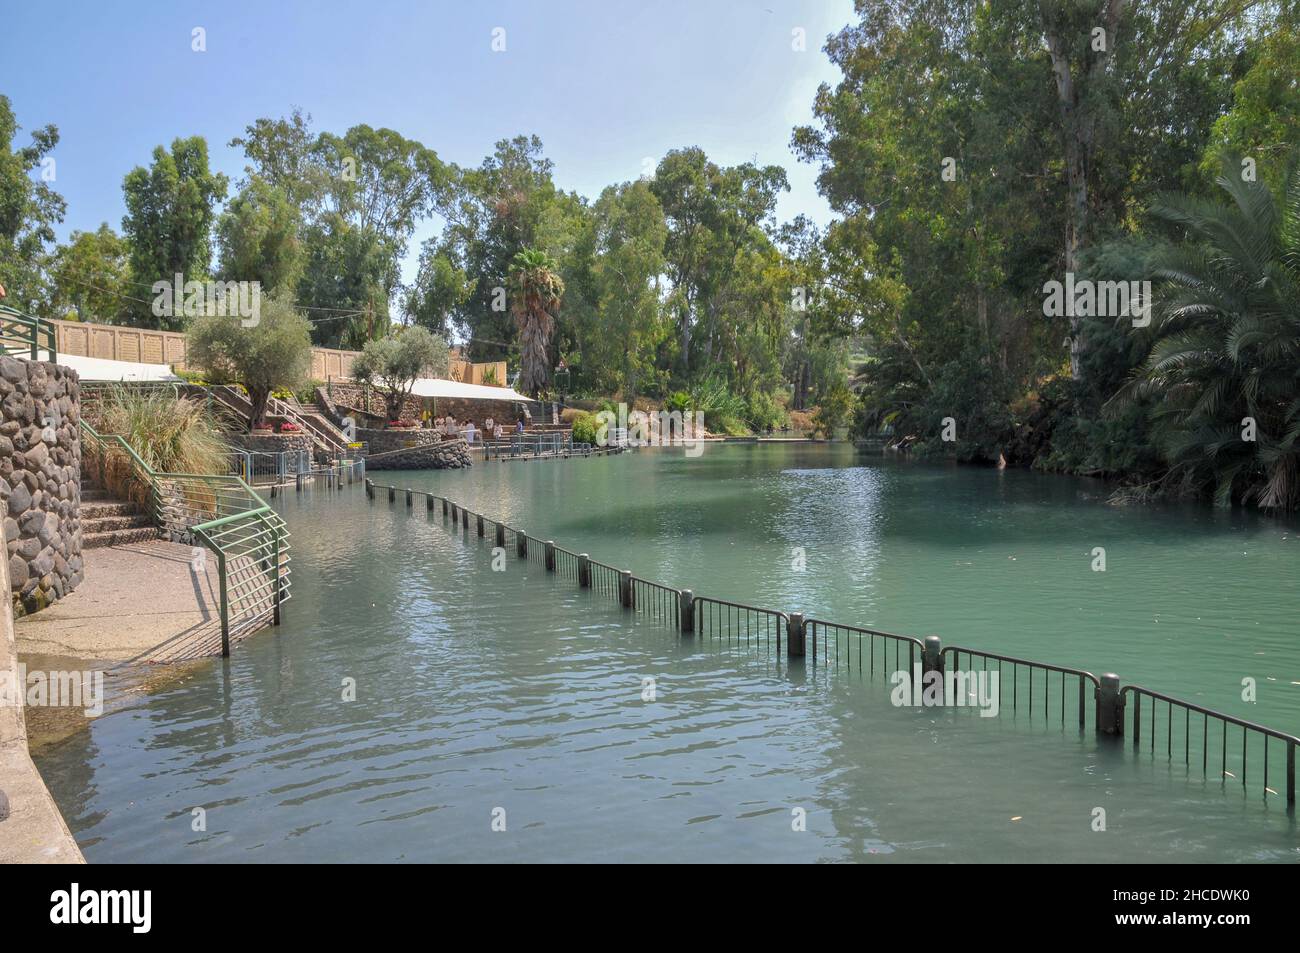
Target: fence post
(625,588)
(1290,774)
(478,524)
(225,605)
(370,489)
(408,497)
(455,517)
(444,507)
(1110,706)
(687,607)
(392,491)
(275,568)
(932,655)
(298,481)
(464,517)
(794,631)
(428,502)
(501,535)
(584,570)
(521,545)
(550,555)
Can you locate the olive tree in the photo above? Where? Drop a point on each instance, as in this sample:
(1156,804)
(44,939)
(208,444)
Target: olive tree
(273,353)
(393,364)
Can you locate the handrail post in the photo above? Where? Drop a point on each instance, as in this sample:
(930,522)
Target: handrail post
(521,544)
(1110,706)
(444,507)
(550,553)
(478,525)
(687,611)
(932,660)
(275,568)
(794,630)
(392,493)
(428,502)
(625,588)
(408,497)
(370,488)
(464,517)
(501,535)
(584,571)
(225,605)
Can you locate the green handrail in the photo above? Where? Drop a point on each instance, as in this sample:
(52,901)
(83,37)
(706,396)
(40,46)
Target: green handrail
(247,536)
(25,331)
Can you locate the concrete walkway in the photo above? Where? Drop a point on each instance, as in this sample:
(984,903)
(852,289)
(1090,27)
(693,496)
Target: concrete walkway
(139,602)
(32,830)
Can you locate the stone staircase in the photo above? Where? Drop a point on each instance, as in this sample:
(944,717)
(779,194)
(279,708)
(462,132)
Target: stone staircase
(111,522)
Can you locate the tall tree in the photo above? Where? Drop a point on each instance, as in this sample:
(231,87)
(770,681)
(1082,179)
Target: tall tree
(170,209)
(91,279)
(536,292)
(258,238)
(29,210)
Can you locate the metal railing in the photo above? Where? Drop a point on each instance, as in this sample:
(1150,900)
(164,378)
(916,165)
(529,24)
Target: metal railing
(223,514)
(734,621)
(1046,693)
(844,645)
(534,444)
(1213,736)
(21,332)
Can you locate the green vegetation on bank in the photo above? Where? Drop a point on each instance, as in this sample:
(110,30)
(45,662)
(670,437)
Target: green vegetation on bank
(973,152)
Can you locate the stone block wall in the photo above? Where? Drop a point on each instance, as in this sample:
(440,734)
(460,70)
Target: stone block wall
(412,450)
(40,479)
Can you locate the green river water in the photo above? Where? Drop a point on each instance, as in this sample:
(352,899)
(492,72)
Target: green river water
(515,696)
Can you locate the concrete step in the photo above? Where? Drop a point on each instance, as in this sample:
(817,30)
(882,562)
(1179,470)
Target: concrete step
(98,510)
(102,524)
(93,496)
(118,537)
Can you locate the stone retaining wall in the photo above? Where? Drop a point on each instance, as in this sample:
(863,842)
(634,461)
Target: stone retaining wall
(412,450)
(40,479)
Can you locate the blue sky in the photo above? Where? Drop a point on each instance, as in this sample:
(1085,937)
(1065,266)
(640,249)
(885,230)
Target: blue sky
(605,85)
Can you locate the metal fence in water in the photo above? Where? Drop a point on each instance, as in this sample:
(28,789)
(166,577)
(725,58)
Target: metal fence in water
(851,646)
(1051,695)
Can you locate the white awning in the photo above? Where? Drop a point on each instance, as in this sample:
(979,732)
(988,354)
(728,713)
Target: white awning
(437,387)
(103,369)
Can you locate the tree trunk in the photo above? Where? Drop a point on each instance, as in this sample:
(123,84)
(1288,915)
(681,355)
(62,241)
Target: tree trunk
(257,397)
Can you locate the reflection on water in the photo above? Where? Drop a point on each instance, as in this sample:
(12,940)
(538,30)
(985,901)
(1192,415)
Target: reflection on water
(515,695)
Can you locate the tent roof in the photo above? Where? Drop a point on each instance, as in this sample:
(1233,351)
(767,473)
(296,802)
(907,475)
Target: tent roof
(103,369)
(437,387)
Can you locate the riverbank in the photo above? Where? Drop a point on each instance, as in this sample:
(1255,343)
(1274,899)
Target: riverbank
(32,830)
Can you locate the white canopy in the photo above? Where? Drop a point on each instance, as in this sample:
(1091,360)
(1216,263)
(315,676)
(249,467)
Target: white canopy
(437,387)
(103,369)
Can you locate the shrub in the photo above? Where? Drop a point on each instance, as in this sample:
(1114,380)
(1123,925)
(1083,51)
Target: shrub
(585,428)
(171,434)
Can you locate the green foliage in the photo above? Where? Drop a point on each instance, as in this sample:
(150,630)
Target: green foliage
(275,353)
(170,208)
(91,279)
(29,210)
(536,290)
(832,411)
(1221,375)
(585,428)
(258,237)
(393,364)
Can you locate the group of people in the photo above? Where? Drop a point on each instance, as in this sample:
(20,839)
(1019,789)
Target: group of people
(449,427)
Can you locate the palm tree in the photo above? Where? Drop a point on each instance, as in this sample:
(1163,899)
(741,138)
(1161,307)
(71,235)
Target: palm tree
(537,290)
(1227,344)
